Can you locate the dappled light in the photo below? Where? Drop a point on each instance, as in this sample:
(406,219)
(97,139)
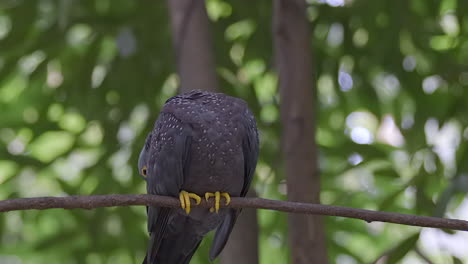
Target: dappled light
(81,83)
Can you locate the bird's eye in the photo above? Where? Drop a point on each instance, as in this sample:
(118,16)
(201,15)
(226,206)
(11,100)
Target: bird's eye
(144,171)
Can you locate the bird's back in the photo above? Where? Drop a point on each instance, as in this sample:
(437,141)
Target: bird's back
(219,126)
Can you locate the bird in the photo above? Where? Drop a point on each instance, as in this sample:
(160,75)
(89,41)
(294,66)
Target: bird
(203,145)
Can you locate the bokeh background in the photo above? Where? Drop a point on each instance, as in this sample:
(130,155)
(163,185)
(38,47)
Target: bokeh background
(81,83)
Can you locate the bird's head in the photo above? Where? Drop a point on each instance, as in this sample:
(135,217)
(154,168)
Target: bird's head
(143,160)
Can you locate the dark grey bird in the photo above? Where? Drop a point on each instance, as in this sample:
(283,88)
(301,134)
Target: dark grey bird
(202,144)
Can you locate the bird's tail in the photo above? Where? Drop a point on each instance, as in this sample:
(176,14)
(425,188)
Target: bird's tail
(222,233)
(175,248)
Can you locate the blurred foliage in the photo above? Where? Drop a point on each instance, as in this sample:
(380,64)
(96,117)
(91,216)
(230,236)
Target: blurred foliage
(81,83)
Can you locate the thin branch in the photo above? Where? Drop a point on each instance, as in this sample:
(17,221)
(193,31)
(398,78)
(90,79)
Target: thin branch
(96,201)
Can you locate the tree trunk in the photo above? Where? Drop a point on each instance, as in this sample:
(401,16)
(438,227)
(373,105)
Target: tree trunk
(193,45)
(196,68)
(293,62)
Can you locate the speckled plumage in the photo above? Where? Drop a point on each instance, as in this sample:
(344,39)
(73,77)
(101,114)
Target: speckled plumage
(202,142)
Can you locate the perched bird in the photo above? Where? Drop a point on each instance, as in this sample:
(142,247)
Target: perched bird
(203,144)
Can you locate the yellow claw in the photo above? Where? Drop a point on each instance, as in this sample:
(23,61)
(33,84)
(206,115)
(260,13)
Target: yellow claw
(217,196)
(184,198)
(227,197)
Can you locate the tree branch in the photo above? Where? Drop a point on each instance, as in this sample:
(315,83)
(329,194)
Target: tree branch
(97,201)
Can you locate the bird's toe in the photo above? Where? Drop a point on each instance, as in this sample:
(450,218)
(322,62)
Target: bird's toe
(185,203)
(217,196)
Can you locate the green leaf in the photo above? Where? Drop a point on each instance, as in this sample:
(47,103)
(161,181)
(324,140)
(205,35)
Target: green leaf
(51,144)
(402,249)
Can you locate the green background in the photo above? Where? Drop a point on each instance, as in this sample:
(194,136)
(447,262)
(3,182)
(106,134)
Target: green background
(81,83)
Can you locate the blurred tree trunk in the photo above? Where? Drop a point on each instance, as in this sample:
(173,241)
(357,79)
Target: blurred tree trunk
(196,68)
(293,62)
(192,45)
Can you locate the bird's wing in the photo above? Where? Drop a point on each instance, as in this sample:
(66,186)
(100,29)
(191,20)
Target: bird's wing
(169,157)
(250,147)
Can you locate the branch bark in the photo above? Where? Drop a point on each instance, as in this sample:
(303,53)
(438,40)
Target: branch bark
(98,201)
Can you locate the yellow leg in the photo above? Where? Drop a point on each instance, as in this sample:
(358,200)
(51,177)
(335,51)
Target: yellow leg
(184,198)
(217,196)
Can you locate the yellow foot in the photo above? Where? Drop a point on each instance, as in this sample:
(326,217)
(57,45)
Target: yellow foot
(184,198)
(217,196)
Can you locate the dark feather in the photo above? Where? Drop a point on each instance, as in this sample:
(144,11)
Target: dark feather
(172,140)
